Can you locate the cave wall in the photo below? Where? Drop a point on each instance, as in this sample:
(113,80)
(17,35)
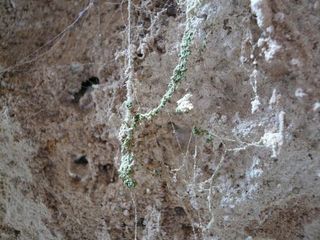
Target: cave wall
(252,169)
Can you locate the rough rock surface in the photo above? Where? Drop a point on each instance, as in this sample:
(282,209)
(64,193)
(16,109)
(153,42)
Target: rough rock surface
(253,170)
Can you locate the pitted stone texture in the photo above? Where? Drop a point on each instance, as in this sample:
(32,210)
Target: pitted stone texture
(253,77)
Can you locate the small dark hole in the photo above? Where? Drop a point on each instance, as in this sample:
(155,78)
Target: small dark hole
(172,11)
(179,211)
(140,222)
(91,81)
(85,86)
(17,232)
(81,160)
(105,167)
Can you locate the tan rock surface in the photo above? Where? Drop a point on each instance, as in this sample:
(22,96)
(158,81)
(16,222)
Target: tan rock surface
(254,80)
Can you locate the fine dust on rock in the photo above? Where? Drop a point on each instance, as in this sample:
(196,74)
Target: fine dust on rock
(251,91)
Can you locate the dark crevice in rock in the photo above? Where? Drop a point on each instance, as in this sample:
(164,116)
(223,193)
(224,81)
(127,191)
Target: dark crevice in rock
(81,160)
(85,86)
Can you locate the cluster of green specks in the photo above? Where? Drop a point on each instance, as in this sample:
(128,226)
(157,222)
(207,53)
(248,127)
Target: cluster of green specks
(178,73)
(130,123)
(125,170)
(203,133)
